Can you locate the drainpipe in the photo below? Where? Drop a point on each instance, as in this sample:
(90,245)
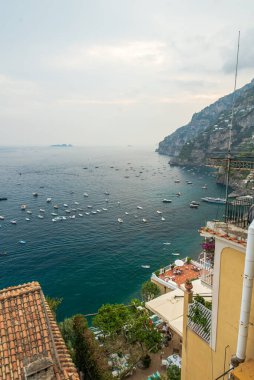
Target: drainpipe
(246,300)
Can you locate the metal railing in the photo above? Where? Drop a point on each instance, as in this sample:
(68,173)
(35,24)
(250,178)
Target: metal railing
(200,320)
(238,212)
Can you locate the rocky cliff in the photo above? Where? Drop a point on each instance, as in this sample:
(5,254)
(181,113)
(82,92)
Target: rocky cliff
(207,133)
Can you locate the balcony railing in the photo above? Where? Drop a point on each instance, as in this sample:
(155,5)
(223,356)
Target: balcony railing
(168,284)
(237,212)
(207,277)
(200,320)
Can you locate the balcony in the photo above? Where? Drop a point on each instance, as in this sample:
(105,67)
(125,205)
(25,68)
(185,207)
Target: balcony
(200,320)
(172,277)
(238,212)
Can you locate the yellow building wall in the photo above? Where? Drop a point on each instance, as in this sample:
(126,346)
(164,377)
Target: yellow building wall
(199,361)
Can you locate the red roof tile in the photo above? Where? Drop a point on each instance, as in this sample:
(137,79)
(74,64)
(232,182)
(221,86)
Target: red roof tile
(28,331)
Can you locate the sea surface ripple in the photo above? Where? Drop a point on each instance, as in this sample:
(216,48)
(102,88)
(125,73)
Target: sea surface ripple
(93,259)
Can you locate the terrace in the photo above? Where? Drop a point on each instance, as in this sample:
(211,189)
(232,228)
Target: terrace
(172,276)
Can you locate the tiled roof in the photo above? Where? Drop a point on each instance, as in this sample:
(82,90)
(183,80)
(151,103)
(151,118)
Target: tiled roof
(27,331)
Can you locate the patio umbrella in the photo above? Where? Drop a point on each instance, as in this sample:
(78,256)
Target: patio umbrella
(179,263)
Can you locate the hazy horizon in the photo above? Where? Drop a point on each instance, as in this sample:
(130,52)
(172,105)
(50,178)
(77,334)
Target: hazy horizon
(116,73)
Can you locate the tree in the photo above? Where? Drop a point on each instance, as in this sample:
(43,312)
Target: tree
(149,291)
(88,355)
(112,318)
(173,373)
(54,303)
(66,328)
(143,332)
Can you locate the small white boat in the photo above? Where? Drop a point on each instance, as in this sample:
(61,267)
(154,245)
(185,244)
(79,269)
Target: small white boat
(29,212)
(65,205)
(139,208)
(64,218)
(104,209)
(106,200)
(22,241)
(79,209)
(67,211)
(189,182)
(194,205)
(159,212)
(80,214)
(89,206)
(145,266)
(53,214)
(120,220)
(167,200)
(42,210)
(27,219)
(126,213)
(163,219)
(54,220)
(177,181)
(178,194)
(1,217)
(118,203)
(85,195)
(40,216)
(98,210)
(94,212)
(106,193)
(175,254)
(87,213)
(56,207)
(35,194)
(23,207)
(48,200)
(76,203)
(144,220)
(167,243)
(204,187)
(72,216)
(13,222)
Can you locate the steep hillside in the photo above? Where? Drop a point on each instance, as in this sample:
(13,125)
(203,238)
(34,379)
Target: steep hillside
(208,131)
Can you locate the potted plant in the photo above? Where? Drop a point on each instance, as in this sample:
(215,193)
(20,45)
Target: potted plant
(146,361)
(188,285)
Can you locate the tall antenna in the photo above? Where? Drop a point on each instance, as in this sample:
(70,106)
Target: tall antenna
(229,157)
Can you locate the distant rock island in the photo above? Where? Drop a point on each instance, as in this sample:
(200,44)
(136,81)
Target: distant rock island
(62,145)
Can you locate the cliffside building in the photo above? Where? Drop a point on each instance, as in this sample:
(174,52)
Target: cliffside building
(211,337)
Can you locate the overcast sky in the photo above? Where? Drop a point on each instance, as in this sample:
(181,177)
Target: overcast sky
(116,72)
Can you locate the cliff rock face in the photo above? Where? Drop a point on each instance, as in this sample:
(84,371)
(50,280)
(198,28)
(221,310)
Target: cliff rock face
(207,134)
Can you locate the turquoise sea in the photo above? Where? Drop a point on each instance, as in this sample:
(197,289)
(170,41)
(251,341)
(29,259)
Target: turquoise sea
(93,259)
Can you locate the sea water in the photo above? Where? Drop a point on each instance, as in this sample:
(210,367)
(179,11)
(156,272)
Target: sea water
(93,259)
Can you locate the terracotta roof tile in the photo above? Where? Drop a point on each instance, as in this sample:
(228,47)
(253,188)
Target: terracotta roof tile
(28,329)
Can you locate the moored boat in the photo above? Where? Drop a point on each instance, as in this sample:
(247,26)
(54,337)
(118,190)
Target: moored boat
(214,200)
(167,200)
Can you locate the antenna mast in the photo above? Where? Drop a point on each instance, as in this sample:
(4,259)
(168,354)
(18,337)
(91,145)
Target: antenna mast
(229,157)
